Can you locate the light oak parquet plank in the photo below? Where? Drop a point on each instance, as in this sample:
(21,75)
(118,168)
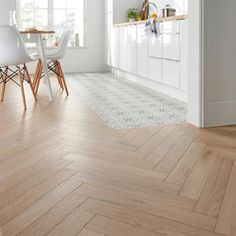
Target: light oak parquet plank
(51,219)
(86,232)
(142,220)
(174,155)
(109,157)
(162,210)
(40,207)
(54,152)
(120,167)
(126,179)
(108,226)
(14,192)
(145,135)
(26,173)
(212,197)
(73,224)
(226,223)
(160,151)
(183,168)
(155,140)
(137,192)
(195,183)
(28,198)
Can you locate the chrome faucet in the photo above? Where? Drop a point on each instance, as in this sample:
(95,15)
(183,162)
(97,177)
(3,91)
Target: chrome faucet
(150,3)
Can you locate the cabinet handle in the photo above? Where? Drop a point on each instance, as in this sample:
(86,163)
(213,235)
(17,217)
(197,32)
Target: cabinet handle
(156,57)
(167,59)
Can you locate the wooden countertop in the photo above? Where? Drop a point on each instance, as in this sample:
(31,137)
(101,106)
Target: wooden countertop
(162,19)
(37,32)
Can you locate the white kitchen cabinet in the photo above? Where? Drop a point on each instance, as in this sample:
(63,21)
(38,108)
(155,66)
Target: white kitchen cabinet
(171,27)
(155,46)
(142,52)
(113,50)
(171,46)
(123,46)
(171,73)
(155,69)
(132,49)
(160,59)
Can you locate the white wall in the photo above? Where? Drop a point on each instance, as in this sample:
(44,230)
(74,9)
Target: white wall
(120,8)
(219,62)
(5,7)
(87,59)
(181,6)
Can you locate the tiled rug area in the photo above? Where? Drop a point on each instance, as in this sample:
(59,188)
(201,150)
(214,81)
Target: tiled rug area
(123,104)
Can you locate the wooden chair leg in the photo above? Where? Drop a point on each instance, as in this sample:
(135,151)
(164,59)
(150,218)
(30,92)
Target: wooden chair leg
(22,87)
(63,78)
(36,87)
(4,84)
(58,75)
(36,74)
(30,83)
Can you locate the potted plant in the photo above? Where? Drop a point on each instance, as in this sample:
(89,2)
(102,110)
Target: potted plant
(132,14)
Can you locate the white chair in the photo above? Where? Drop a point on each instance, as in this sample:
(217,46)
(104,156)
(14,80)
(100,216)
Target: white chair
(54,64)
(13,59)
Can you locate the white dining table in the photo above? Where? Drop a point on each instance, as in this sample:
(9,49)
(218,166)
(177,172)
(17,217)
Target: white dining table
(42,55)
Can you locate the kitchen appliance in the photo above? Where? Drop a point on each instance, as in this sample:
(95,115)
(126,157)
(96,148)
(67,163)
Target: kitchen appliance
(168,11)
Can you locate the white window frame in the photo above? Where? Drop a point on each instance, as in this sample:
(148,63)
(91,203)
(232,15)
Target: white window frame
(50,19)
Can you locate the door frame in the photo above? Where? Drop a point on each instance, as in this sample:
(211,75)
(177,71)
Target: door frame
(196,63)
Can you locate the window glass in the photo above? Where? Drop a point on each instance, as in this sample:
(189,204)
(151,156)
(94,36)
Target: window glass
(57,15)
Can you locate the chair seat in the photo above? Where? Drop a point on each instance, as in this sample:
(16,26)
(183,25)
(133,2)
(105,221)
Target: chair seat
(51,55)
(17,61)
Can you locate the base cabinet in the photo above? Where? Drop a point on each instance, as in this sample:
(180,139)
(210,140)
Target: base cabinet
(171,73)
(160,59)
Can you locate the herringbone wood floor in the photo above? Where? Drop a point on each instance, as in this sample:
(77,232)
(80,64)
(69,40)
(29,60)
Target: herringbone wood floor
(64,172)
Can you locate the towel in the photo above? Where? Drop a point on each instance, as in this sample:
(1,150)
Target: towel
(152,26)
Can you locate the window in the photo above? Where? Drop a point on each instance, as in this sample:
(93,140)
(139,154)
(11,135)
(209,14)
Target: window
(57,15)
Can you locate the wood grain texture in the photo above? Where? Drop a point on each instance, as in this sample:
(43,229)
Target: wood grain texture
(226,224)
(64,172)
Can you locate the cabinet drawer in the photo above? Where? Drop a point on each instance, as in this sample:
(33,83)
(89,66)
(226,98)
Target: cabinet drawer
(155,46)
(155,69)
(171,47)
(171,73)
(171,27)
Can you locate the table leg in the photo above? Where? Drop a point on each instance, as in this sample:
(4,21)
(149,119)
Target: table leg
(41,51)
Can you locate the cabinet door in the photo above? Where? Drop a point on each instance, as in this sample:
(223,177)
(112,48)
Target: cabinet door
(142,52)
(171,46)
(113,52)
(132,49)
(155,69)
(155,46)
(171,27)
(171,73)
(123,48)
